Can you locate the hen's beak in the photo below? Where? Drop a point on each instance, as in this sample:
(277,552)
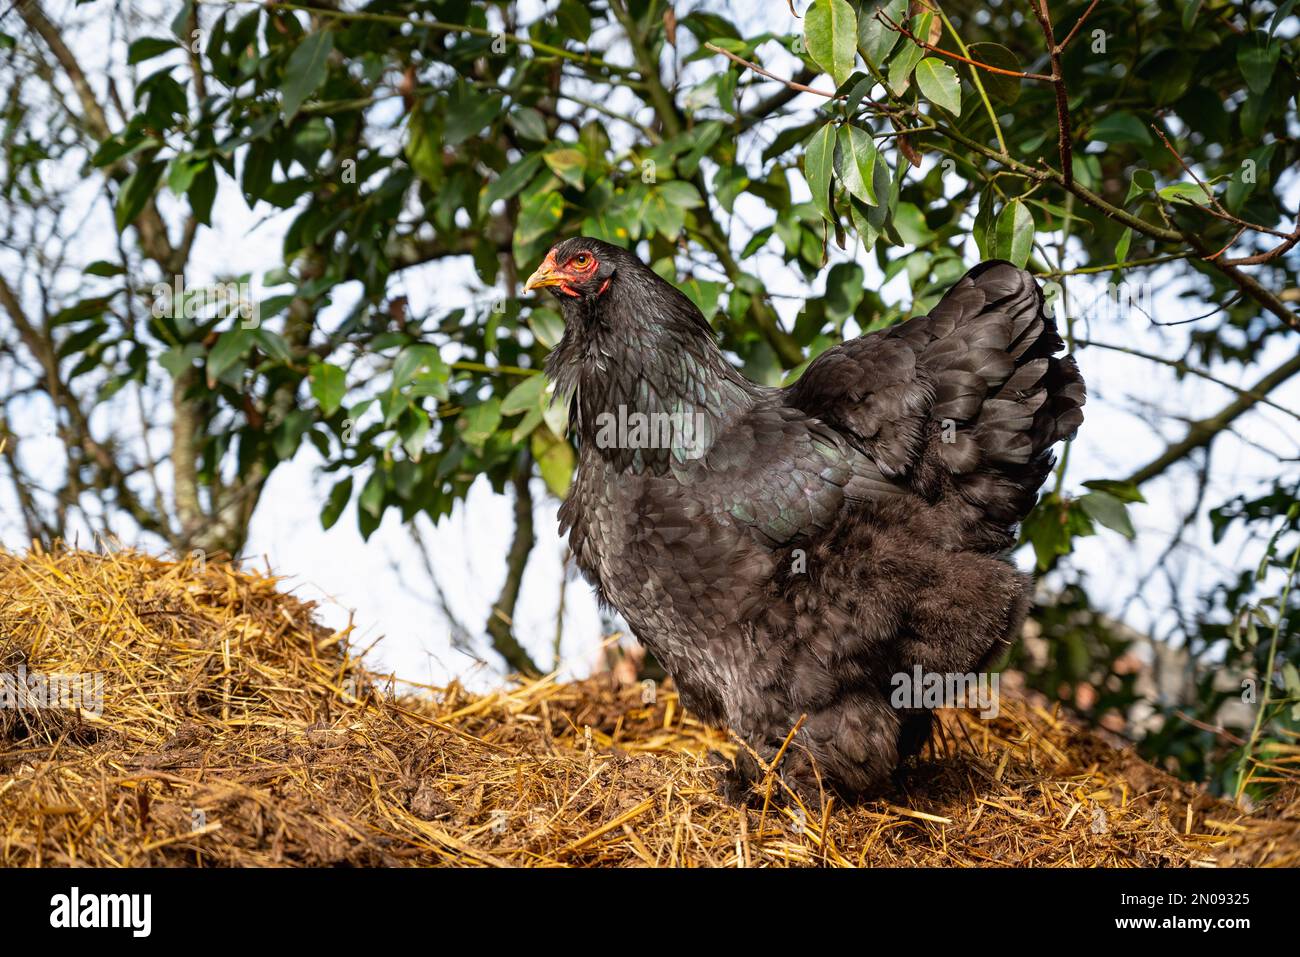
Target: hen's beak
(546,275)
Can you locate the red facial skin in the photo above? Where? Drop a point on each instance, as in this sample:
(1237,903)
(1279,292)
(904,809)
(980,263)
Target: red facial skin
(575,269)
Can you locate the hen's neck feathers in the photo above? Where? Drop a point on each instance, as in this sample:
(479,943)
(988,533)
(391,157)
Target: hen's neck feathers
(643,348)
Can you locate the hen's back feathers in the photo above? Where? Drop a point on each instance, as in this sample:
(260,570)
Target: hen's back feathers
(963,405)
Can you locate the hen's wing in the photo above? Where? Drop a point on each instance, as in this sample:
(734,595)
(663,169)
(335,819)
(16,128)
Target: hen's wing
(963,405)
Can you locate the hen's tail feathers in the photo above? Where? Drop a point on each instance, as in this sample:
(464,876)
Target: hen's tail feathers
(1004,393)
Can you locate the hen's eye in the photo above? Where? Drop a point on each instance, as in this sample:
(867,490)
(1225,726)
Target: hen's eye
(581,260)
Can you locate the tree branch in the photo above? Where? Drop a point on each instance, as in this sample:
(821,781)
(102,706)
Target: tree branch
(153,232)
(78,435)
(1202,431)
(926,45)
(500,623)
(1064,145)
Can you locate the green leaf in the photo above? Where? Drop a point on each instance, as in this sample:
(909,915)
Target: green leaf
(1124,491)
(1257,56)
(855,163)
(818,162)
(1109,511)
(146,48)
(547,326)
(371,499)
(867,231)
(117,147)
(272,343)
(91,308)
(179,358)
(1172,73)
(392,404)
(830,32)
(305,71)
(999,86)
(982,229)
(414,431)
(911,225)
(102,267)
(1121,247)
(1046,530)
(288,436)
(703,293)
(554,460)
(680,193)
(1014,236)
(468,113)
(1255,112)
(875,37)
(336,502)
(939,84)
(1186,193)
(1121,128)
(728,184)
(538,216)
(328,386)
(526,425)
(227,350)
(529,123)
(512,179)
(902,64)
(568,164)
(181,172)
(421,357)
(478,422)
(1247,176)
(525,396)
(136,192)
(202,193)
(180,22)
(663,207)
(1142,182)
(423,147)
(1291,679)
(845,288)
(615,226)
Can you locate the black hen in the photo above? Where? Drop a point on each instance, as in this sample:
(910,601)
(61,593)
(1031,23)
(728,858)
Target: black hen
(785,552)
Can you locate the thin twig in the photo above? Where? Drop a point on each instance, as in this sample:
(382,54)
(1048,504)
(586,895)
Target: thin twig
(1217,209)
(1268,256)
(1064,145)
(899,28)
(801,87)
(1180,365)
(1075,29)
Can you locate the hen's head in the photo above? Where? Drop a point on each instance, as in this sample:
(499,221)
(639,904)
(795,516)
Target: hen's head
(582,268)
(628,334)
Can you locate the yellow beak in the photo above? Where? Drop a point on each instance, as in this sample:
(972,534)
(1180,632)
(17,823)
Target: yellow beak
(545,275)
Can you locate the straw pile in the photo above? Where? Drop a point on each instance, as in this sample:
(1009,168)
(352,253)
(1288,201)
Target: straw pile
(237,731)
